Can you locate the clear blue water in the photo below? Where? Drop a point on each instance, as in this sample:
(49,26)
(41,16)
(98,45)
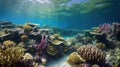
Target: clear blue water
(78,14)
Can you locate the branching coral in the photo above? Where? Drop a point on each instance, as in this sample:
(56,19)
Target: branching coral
(105,28)
(91,53)
(11,56)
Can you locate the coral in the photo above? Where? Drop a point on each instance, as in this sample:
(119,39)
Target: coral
(32,24)
(24,38)
(9,43)
(95,65)
(74,58)
(27,56)
(56,39)
(11,56)
(43,43)
(27,28)
(105,28)
(91,53)
(86,65)
(116,30)
(51,50)
(113,56)
(3,34)
(69,41)
(100,45)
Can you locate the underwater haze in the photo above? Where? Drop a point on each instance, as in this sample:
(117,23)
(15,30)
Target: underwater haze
(80,14)
(59,33)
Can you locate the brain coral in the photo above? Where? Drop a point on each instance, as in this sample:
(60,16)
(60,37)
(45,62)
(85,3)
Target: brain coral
(91,53)
(74,58)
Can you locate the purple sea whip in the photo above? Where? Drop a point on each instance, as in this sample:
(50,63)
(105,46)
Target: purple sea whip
(43,43)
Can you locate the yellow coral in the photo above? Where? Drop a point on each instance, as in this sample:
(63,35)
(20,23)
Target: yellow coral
(11,56)
(27,56)
(24,38)
(56,39)
(51,50)
(27,28)
(9,43)
(74,58)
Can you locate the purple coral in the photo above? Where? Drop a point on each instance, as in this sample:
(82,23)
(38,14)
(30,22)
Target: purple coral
(43,43)
(105,28)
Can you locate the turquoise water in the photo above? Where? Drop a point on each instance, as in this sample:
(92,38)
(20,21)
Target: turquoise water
(61,17)
(82,14)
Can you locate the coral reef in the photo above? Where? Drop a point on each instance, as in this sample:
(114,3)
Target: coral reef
(43,44)
(91,54)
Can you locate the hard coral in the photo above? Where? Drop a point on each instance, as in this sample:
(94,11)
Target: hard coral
(56,39)
(24,38)
(91,53)
(9,43)
(100,45)
(27,28)
(51,50)
(10,56)
(74,58)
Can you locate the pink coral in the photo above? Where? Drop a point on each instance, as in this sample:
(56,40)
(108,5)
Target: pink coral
(105,28)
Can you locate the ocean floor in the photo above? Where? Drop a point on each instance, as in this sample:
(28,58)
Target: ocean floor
(56,63)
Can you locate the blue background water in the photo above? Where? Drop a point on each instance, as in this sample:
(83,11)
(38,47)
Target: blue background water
(63,13)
